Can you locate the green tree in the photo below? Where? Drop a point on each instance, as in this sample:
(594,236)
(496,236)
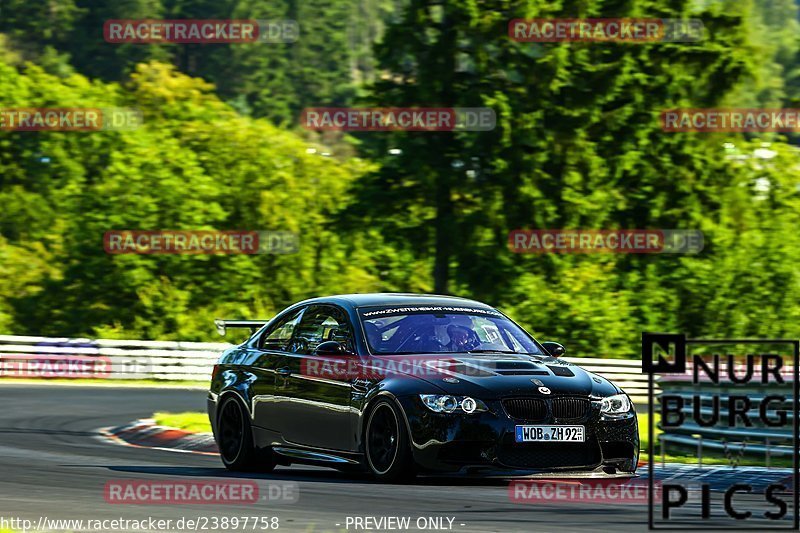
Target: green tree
(195,164)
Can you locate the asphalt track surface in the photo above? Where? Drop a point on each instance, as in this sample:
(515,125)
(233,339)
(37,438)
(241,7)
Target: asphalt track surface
(54,464)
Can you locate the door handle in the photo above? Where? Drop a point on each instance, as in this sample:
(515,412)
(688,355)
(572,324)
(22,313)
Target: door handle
(285,371)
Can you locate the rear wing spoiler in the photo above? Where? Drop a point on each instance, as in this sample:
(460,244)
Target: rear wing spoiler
(223,325)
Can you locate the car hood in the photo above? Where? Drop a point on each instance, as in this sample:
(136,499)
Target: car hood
(492,376)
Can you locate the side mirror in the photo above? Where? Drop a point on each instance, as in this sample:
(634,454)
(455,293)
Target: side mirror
(553,348)
(331,348)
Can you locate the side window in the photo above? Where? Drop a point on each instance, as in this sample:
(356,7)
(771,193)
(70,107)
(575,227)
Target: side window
(279,336)
(320,324)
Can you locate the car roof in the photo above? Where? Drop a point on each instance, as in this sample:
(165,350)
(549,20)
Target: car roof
(395,298)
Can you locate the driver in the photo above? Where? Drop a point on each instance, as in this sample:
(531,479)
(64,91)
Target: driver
(374,336)
(462,339)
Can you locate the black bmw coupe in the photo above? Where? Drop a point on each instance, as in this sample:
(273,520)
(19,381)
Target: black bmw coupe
(402,383)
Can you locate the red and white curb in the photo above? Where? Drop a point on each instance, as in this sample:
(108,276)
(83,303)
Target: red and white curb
(145,433)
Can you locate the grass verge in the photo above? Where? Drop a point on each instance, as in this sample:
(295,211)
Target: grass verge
(643,434)
(188,421)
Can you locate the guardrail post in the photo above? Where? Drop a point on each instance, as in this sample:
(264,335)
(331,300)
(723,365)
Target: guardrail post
(700,451)
(768,453)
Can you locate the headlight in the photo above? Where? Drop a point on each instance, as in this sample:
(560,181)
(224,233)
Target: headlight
(444,403)
(618,404)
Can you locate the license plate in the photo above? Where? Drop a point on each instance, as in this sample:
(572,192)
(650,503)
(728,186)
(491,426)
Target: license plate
(550,434)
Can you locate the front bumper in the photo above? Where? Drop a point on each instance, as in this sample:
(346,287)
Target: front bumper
(485,442)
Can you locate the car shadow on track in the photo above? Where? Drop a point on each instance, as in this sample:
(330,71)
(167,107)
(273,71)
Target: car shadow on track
(318,475)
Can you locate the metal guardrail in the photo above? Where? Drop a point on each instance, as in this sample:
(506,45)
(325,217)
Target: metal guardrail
(49,357)
(626,373)
(758,439)
(172,360)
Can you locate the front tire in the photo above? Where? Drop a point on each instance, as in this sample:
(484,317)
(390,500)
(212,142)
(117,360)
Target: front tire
(235,440)
(387,444)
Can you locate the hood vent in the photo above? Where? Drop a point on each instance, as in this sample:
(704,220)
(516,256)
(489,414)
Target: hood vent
(523,372)
(511,368)
(561,371)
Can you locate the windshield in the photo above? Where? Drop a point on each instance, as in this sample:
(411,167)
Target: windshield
(425,330)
